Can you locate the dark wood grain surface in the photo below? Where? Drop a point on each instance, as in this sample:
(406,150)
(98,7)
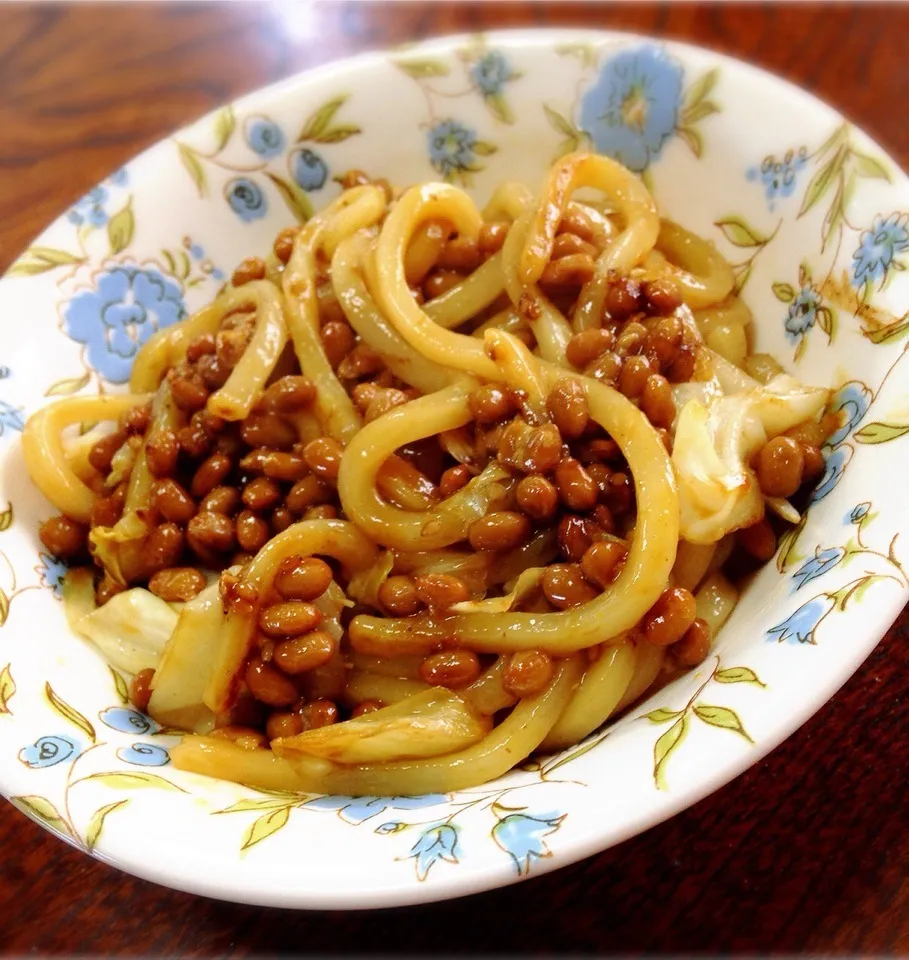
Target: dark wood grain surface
(807,852)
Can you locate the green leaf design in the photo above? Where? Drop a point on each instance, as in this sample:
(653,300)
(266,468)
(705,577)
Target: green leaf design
(741,277)
(870,168)
(184,266)
(551,766)
(262,803)
(664,747)
(4,607)
(70,713)
(338,134)
(423,69)
(484,149)
(225,124)
(498,107)
(320,120)
(893,331)
(700,89)
(839,137)
(800,349)
(693,139)
(41,259)
(721,717)
(560,124)
(585,52)
(822,181)
(265,826)
(786,552)
(826,319)
(295,198)
(42,809)
(65,388)
(96,824)
(662,715)
(169,260)
(703,109)
(6,517)
(190,159)
(738,675)
(120,229)
(130,781)
(7,689)
(740,233)
(784,292)
(879,432)
(119,684)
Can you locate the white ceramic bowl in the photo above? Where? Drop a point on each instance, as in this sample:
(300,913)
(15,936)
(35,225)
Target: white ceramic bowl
(810,211)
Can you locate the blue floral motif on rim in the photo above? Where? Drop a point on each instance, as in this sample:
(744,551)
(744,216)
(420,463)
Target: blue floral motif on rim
(451,147)
(851,401)
(801,625)
(308,169)
(127,721)
(90,208)
(802,313)
(357,810)
(246,199)
(264,136)
(818,565)
(438,842)
(779,176)
(834,465)
(48,751)
(878,249)
(633,108)
(127,305)
(491,72)
(144,755)
(522,837)
(51,572)
(10,417)
(858,513)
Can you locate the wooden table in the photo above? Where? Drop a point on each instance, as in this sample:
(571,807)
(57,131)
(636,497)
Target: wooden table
(807,852)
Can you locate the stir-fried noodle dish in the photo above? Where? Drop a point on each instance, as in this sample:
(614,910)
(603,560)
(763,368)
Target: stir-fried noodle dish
(429,489)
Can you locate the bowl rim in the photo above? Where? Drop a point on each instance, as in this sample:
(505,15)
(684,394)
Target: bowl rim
(574,847)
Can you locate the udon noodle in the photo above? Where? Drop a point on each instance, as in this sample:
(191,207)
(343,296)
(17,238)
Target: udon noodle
(429,488)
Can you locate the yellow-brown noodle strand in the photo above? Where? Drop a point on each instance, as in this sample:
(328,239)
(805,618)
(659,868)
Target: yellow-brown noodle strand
(478,290)
(45,459)
(332,538)
(247,380)
(508,201)
(648,660)
(643,578)
(511,741)
(366,453)
(392,292)
(632,200)
(364,316)
(702,275)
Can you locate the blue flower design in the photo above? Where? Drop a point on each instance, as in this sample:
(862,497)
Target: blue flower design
(127,305)
(859,512)
(10,417)
(802,314)
(834,466)
(851,403)
(801,626)
(451,147)
(246,199)
(878,249)
(632,109)
(818,565)
(144,755)
(357,810)
(90,208)
(119,178)
(779,176)
(264,136)
(51,572)
(491,72)
(308,169)
(439,842)
(127,721)
(521,837)
(48,751)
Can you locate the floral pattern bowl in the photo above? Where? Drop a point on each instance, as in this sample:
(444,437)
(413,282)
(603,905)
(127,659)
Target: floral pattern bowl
(811,213)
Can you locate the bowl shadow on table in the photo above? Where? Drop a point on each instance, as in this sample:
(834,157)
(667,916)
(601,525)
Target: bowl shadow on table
(804,852)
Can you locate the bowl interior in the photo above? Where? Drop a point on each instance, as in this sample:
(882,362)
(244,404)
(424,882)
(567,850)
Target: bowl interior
(808,210)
